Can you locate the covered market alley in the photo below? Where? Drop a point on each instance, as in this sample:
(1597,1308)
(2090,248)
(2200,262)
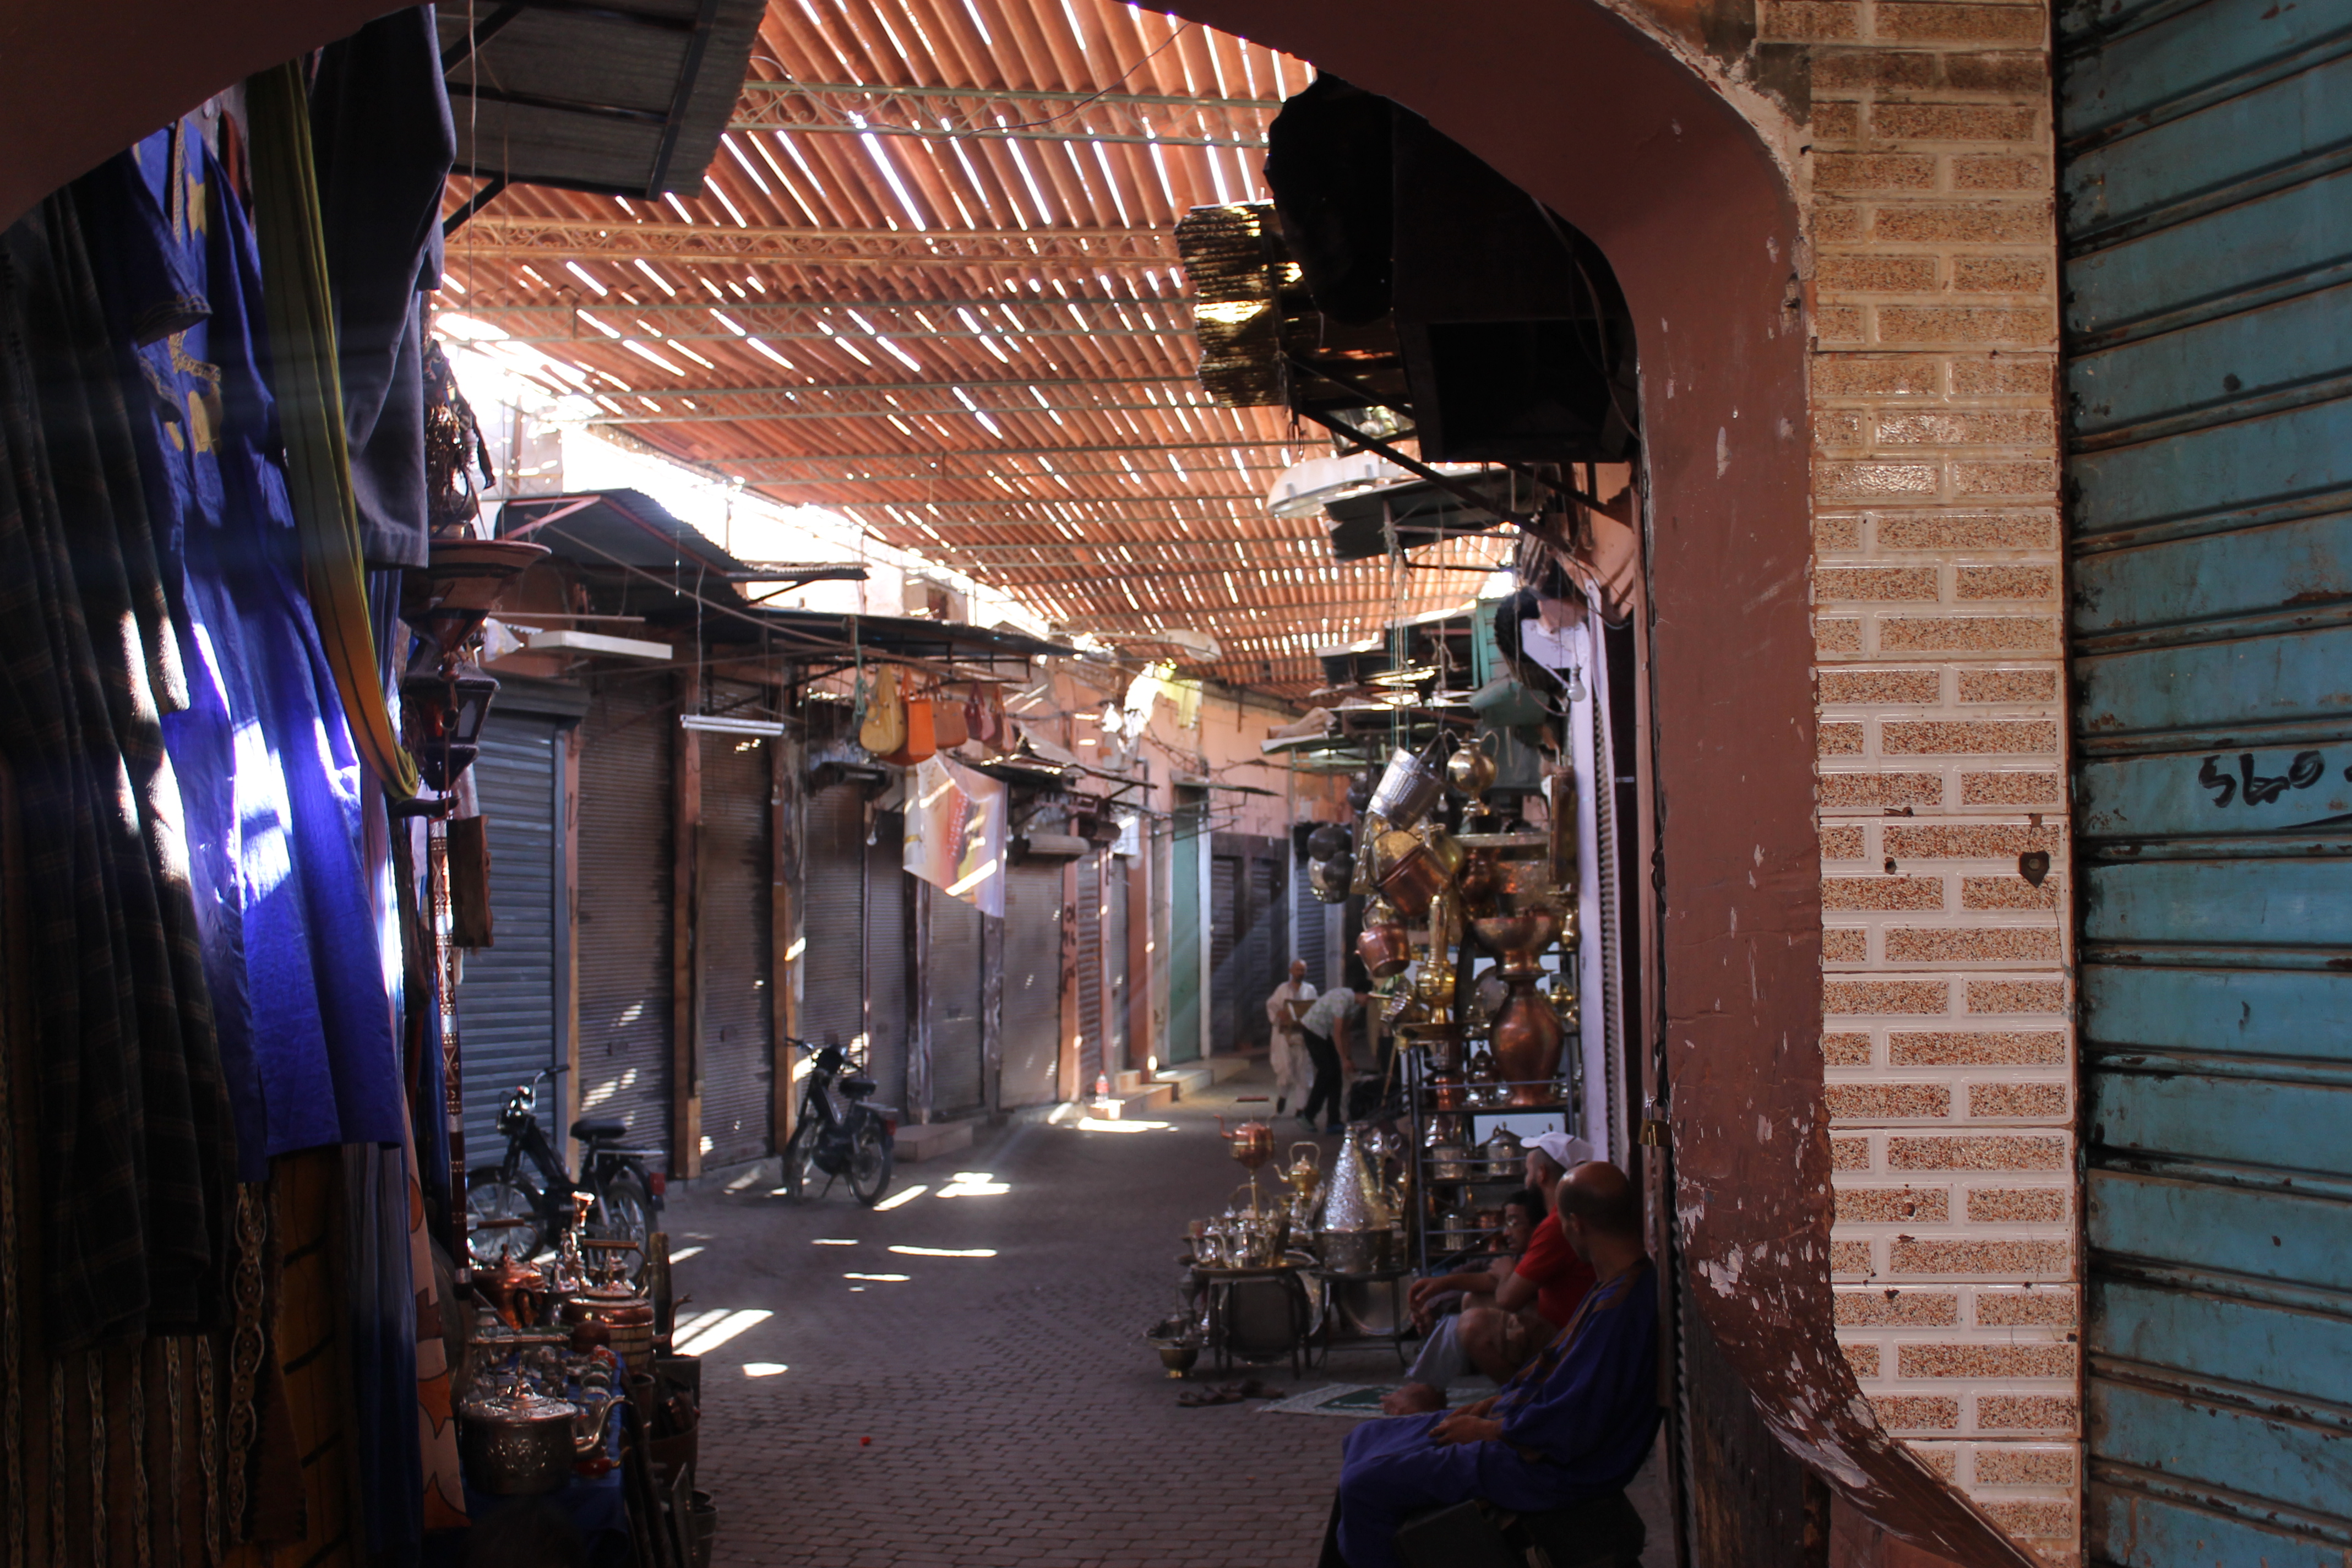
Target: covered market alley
(685,676)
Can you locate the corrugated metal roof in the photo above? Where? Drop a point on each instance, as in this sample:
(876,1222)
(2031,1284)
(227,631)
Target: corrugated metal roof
(930,282)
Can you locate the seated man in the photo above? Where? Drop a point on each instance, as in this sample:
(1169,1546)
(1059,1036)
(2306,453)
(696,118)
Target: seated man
(1575,1422)
(1540,1294)
(1467,1275)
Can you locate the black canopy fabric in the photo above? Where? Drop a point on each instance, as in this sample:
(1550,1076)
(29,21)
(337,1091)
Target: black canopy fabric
(382,141)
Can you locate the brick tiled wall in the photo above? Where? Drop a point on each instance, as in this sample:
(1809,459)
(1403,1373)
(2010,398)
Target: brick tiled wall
(1937,600)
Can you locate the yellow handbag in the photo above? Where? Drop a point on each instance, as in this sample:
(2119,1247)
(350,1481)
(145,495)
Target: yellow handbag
(883,728)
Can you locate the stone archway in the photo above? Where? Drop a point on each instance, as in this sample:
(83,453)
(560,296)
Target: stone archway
(1600,119)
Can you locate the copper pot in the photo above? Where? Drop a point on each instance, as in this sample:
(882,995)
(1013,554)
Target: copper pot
(1414,881)
(1478,880)
(1526,1035)
(1382,944)
(1519,937)
(1445,1088)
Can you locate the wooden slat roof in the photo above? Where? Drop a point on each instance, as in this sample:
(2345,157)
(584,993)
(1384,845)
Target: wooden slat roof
(930,282)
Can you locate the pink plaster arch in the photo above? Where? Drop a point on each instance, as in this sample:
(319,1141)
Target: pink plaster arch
(1601,119)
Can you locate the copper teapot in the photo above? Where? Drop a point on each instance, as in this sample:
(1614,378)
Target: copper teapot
(1252,1142)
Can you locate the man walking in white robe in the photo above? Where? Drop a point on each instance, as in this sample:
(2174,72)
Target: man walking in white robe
(1293,1069)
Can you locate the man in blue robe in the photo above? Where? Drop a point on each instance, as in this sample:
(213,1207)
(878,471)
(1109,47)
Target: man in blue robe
(1575,1422)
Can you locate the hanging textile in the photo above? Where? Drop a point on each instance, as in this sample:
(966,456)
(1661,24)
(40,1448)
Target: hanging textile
(382,143)
(956,827)
(137,1144)
(304,373)
(278,798)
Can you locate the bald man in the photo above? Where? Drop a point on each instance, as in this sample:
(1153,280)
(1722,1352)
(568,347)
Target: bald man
(1574,1423)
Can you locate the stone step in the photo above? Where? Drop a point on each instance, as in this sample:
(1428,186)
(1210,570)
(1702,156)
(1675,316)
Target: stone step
(929,1140)
(1222,1067)
(1127,1107)
(1188,1081)
(1131,1080)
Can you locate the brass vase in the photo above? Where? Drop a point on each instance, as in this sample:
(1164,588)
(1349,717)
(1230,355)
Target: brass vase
(1527,1041)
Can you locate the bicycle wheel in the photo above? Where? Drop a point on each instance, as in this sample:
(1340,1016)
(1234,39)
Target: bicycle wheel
(871,1156)
(800,1162)
(622,1212)
(506,1219)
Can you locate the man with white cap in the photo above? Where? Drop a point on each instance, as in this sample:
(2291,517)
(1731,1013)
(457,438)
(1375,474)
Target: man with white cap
(1540,1294)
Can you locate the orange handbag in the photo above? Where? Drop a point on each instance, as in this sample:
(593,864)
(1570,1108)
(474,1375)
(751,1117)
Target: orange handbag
(921,741)
(948,728)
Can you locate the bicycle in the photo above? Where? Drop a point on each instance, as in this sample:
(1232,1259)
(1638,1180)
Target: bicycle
(838,1133)
(518,1214)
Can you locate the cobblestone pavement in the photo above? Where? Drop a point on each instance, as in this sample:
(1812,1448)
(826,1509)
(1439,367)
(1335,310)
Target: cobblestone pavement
(927,1409)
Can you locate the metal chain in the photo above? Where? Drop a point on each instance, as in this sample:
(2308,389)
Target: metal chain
(245,1346)
(56,1374)
(143,1499)
(206,1430)
(178,1474)
(94,1377)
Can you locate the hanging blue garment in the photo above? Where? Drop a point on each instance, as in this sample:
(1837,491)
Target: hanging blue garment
(321,1063)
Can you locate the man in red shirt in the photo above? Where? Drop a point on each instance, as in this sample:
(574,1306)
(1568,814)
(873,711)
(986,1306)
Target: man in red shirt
(1532,1305)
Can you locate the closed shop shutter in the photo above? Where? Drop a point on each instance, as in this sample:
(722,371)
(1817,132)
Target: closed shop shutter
(1184,932)
(1224,934)
(888,976)
(2209,337)
(1032,982)
(1314,936)
(509,1004)
(1090,972)
(954,997)
(1116,909)
(1264,951)
(737,1070)
(625,869)
(833,993)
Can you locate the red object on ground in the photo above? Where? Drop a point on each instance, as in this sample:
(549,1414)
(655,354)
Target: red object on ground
(866,1442)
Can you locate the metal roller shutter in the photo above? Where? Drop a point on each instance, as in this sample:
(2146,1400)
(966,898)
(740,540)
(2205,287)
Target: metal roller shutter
(2207,239)
(1314,937)
(1225,938)
(626,871)
(1264,951)
(954,997)
(738,1069)
(1116,912)
(886,959)
(1032,982)
(833,985)
(509,1008)
(1090,972)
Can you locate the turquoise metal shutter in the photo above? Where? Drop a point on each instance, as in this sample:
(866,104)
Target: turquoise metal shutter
(2207,183)
(509,1011)
(1184,929)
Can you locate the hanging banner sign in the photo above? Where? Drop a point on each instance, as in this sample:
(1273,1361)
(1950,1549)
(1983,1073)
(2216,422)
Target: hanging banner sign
(956,827)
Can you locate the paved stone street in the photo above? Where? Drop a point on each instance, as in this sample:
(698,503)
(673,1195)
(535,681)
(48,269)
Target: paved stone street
(922,1409)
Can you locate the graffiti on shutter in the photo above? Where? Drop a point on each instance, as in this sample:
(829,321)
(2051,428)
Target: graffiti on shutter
(2208,236)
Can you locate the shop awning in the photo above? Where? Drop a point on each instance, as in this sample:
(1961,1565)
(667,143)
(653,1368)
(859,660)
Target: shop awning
(626,99)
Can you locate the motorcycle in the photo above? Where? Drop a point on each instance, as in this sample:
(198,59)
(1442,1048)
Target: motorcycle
(838,1132)
(518,1212)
